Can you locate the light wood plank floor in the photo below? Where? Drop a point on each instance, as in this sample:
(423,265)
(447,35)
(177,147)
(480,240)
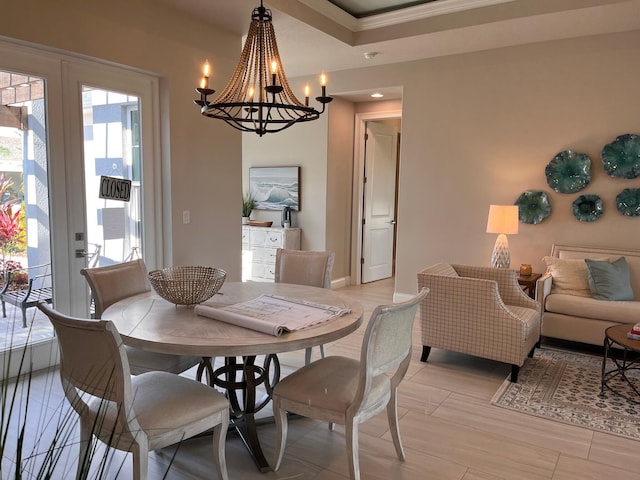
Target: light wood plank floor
(449,429)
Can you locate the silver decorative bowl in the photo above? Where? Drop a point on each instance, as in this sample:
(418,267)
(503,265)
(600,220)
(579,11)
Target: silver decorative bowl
(187,285)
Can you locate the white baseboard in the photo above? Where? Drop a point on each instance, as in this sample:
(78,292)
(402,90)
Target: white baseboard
(340,282)
(346,281)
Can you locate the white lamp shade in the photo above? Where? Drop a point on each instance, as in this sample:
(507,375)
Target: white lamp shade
(503,219)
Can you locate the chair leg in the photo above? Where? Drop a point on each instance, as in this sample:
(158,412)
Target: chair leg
(24,317)
(392,416)
(84,459)
(352,448)
(425,353)
(282,426)
(514,373)
(219,442)
(307,356)
(140,461)
(309,350)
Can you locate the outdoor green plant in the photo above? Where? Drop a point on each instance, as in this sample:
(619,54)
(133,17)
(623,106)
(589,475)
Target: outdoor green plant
(12,221)
(248,204)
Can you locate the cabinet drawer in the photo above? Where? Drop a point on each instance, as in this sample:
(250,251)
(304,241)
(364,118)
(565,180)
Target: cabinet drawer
(270,272)
(259,246)
(257,270)
(273,238)
(270,255)
(257,236)
(260,254)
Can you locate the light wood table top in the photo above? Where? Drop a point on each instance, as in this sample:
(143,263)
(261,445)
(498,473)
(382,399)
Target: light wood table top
(151,323)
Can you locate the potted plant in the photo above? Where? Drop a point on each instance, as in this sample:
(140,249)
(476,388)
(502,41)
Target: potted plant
(248,204)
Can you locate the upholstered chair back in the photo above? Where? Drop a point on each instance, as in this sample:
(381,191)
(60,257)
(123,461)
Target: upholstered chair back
(302,267)
(114,282)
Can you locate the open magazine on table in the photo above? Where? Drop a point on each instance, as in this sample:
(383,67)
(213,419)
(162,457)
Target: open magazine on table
(272,314)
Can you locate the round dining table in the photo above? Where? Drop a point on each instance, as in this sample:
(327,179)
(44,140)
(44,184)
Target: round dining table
(149,322)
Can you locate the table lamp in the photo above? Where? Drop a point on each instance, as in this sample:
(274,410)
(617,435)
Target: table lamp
(503,220)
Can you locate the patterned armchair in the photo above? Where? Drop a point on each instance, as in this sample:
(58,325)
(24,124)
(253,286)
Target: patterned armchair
(479,311)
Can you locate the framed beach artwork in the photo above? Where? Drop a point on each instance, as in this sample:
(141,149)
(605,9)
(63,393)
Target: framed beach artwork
(275,187)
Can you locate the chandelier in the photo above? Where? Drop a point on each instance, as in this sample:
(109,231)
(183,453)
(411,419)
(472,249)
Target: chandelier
(258,97)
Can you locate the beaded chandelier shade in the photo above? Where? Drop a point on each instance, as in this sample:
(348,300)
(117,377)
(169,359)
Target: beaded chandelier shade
(258,97)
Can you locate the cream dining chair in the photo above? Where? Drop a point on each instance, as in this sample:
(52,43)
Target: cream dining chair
(115,282)
(302,267)
(131,413)
(347,391)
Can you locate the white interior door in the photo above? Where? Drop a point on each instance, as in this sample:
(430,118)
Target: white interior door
(378,230)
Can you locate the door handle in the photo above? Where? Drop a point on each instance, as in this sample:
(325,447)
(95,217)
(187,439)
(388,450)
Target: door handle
(392,222)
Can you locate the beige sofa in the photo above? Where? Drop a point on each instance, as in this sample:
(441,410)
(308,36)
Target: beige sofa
(577,316)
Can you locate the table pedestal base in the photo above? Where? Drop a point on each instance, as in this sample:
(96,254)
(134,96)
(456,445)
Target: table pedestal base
(240,381)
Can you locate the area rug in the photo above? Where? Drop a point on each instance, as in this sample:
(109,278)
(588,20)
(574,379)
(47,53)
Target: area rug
(565,387)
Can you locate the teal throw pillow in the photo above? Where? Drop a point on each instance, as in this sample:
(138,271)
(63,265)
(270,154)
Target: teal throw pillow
(609,281)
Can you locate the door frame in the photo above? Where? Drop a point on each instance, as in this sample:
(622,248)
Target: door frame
(360,129)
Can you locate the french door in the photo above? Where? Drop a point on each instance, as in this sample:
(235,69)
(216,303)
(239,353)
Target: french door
(87,121)
(30,136)
(111,114)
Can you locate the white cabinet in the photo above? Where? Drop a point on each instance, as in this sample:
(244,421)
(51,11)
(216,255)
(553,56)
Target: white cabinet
(259,245)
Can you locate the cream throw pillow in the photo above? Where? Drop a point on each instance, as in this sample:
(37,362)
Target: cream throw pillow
(570,276)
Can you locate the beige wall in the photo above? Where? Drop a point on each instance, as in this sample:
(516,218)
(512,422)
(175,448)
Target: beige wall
(378,106)
(303,145)
(480,128)
(339,185)
(477,129)
(204,155)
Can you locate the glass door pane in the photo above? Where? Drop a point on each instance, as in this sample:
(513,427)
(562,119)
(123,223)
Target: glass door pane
(25,248)
(111,128)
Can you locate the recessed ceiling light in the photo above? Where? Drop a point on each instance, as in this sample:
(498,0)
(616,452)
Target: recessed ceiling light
(377,95)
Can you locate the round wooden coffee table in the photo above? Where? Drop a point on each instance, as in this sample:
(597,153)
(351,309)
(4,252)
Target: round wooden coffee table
(627,361)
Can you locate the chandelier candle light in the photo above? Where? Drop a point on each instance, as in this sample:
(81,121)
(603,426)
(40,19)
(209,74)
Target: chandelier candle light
(503,220)
(259,74)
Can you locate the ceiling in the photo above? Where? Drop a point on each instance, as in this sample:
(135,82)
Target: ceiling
(318,35)
(367,8)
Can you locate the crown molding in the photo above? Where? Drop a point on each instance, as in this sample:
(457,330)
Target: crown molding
(418,12)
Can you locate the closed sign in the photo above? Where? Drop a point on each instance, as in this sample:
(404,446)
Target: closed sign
(115,188)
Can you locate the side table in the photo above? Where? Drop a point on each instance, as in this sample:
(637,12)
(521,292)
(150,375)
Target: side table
(528,283)
(617,335)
